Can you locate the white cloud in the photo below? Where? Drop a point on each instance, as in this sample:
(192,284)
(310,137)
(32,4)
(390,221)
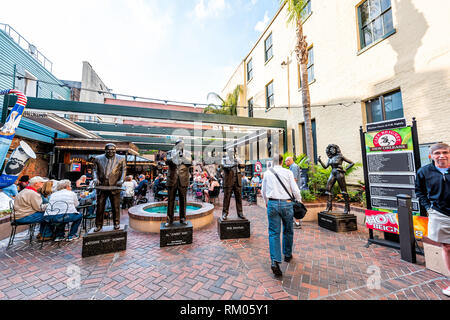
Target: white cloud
(261,25)
(209,8)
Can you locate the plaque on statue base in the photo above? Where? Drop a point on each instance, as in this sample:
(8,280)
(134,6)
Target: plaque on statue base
(338,221)
(233,229)
(175,235)
(105,241)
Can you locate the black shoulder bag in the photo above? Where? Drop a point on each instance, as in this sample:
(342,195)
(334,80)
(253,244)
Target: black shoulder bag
(299,208)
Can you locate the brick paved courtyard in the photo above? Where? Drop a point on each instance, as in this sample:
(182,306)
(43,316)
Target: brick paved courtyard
(326,265)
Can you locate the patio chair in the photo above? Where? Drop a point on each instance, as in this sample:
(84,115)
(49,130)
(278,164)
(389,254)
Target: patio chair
(15,224)
(51,210)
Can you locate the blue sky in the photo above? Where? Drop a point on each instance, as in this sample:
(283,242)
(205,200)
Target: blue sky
(176,49)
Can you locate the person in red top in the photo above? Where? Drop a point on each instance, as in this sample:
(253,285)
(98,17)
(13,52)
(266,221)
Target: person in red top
(28,204)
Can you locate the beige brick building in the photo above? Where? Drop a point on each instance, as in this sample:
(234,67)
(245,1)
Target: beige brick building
(382,59)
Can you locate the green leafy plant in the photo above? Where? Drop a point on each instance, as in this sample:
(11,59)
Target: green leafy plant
(301,160)
(5,213)
(319,178)
(228,106)
(307,196)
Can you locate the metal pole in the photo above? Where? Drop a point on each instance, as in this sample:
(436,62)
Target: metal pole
(366,174)
(406,229)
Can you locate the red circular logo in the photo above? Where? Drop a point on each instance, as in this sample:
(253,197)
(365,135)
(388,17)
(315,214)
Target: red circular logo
(387,138)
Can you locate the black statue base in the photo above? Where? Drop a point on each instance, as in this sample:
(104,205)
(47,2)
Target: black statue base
(175,235)
(338,221)
(233,229)
(105,241)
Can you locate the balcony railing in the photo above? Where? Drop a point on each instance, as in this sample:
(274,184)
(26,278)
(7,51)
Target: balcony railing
(27,46)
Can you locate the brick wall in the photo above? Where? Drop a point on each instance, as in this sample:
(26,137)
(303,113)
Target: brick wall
(38,166)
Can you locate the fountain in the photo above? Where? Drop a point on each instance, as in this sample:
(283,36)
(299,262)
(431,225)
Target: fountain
(148,217)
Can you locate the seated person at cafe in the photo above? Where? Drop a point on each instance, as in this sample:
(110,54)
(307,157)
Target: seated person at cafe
(28,204)
(23,183)
(256,180)
(212,184)
(89,176)
(63,205)
(46,190)
(142,183)
(129,193)
(81,183)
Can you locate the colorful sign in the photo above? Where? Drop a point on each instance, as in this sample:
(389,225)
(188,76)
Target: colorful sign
(76,167)
(258,167)
(389,140)
(388,222)
(391,167)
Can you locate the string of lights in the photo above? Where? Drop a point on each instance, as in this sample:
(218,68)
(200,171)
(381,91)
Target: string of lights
(195,104)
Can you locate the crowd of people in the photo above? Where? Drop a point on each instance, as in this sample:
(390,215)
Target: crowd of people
(53,203)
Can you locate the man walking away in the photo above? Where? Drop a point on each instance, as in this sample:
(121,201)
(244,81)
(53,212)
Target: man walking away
(433,191)
(280,211)
(298,179)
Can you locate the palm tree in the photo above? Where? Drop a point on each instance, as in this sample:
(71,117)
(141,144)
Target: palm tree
(294,10)
(228,106)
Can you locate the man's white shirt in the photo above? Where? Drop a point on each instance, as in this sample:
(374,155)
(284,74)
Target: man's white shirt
(272,188)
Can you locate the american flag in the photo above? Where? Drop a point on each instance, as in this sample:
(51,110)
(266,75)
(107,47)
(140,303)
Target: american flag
(21,99)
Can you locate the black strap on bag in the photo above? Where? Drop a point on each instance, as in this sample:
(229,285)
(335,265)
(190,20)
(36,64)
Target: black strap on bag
(299,208)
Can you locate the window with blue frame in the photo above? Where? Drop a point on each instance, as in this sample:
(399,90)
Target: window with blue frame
(385,107)
(375,21)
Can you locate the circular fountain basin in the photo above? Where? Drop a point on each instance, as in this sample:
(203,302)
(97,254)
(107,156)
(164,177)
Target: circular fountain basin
(148,217)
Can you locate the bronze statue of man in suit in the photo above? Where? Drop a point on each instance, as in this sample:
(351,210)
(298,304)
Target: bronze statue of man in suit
(232,182)
(179,161)
(109,171)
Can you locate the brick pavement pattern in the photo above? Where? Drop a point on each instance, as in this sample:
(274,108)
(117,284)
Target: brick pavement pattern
(326,265)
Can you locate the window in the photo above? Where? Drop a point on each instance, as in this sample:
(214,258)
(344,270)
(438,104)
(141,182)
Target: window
(268,48)
(30,85)
(314,134)
(306,10)
(310,68)
(270,102)
(310,65)
(375,21)
(250,108)
(250,70)
(385,107)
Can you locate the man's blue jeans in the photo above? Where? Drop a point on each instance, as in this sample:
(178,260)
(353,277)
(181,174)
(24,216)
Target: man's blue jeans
(61,219)
(279,213)
(37,217)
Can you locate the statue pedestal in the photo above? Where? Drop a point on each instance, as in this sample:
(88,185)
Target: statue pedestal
(175,235)
(233,229)
(337,221)
(105,241)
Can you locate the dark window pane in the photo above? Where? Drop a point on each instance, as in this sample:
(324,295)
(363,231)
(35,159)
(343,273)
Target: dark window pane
(367,35)
(377,29)
(396,106)
(310,73)
(377,114)
(385,4)
(364,10)
(388,24)
(375,9)
(310,57)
